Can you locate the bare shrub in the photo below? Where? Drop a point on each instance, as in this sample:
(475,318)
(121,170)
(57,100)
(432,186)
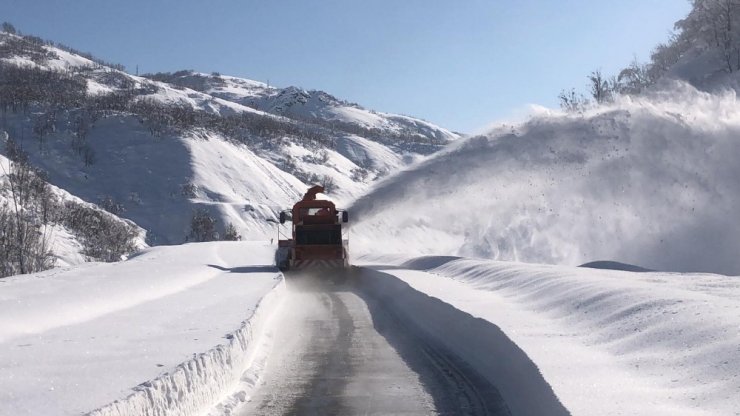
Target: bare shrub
(231,234)
(189,190)
(202,226)
(103,236)
(109,204)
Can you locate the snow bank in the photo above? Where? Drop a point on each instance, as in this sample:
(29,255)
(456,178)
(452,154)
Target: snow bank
(480,344)
(167,332)
(608,342)
(650,181)
(201,382)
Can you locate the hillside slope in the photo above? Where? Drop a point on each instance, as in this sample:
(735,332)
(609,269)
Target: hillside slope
(64,230)
(399,131)
(161,151)
(650,181)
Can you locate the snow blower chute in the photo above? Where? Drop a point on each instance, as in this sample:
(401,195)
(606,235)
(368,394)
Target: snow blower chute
(317,241)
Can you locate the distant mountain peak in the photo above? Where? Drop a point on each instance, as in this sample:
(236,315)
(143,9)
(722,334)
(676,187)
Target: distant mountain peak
(166,146)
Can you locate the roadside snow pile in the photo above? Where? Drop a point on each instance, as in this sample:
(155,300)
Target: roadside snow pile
(608,342)
(650,181)
(167,332)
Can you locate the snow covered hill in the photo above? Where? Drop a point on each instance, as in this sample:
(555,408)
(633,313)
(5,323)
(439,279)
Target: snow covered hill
(170,330)
(650,181)
(161,151)
(318,106)
(69,230)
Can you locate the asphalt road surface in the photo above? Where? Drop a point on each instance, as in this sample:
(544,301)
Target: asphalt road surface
(339,351)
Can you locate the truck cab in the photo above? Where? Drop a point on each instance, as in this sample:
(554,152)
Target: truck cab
(316,235)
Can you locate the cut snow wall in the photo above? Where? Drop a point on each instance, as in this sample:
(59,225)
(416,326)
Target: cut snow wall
(474,341)
(674,335)
(202,382)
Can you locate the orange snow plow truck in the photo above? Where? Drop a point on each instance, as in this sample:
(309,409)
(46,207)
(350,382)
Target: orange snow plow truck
(317,241)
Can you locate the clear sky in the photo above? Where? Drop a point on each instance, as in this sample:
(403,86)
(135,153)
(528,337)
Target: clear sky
(462,64)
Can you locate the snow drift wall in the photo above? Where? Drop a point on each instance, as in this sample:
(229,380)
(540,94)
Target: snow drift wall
(608,342)
(465,339)
(203,382)
(651,181)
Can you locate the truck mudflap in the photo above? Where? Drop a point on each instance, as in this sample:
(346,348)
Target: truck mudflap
(282,258)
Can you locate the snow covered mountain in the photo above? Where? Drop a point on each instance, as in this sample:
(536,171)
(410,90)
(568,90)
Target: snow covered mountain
(55,228)
(650,181)
(318,107)
(162,151)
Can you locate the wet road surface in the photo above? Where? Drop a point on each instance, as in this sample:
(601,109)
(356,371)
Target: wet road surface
(339,351)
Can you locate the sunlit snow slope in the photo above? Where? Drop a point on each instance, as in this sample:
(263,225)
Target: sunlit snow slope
(649,181)
(160,174)
(310,105)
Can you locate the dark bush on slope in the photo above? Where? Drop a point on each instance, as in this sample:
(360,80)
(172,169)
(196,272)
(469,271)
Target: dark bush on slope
(202,226)
(32,209)
(104,237)
(24,218)
(20,87)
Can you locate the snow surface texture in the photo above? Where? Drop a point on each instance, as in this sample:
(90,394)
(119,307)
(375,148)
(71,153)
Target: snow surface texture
(75,339)
(596,342)
(648,181)
(608,342)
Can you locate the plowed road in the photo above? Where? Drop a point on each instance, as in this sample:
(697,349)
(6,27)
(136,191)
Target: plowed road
(339,351)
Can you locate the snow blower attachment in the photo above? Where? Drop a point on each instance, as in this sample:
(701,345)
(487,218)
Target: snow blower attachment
(316,241)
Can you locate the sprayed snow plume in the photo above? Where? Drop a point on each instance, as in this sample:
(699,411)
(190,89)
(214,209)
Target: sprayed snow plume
(649,181)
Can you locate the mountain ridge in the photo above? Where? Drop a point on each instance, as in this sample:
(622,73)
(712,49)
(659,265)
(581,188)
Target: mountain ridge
(163,152)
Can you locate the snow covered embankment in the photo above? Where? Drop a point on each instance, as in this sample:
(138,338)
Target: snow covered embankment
(202,382)
(185,318)
(467,341)
(651,182)
(608,342)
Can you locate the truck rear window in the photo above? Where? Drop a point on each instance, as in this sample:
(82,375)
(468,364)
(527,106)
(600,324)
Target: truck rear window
(304,236)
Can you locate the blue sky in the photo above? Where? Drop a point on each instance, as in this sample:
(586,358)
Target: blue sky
(462,64)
